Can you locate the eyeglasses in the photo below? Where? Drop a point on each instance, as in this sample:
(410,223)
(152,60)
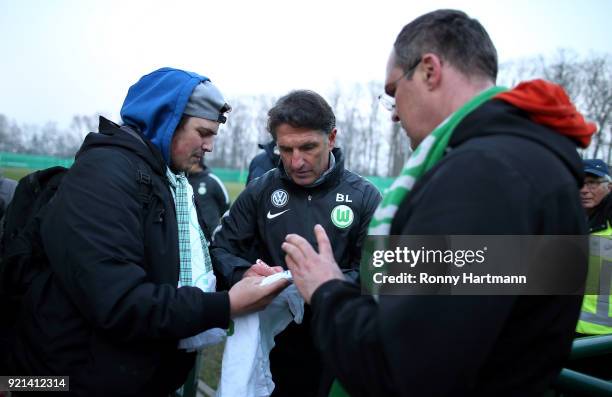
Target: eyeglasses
(387,101)
(592,184)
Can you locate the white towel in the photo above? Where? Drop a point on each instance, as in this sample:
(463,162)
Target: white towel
(245,370)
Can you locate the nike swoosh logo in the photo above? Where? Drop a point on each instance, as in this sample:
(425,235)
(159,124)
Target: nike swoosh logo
(272,216)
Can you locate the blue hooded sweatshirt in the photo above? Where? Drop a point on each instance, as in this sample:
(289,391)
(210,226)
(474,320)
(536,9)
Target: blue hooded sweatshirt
(156,103)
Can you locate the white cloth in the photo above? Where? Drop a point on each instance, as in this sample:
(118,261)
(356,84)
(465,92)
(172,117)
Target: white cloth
(245,369)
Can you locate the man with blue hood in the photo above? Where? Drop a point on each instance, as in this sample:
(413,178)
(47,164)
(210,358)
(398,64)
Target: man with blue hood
(129,282)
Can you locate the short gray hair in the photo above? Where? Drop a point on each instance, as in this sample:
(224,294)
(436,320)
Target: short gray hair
(453,36)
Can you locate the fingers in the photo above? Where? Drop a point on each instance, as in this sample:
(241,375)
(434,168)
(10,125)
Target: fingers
(275,287)
(292,265)
(325,248)
(249,273)
(260,268)
(254,280)
(301,244)
(294,253)
(266,271)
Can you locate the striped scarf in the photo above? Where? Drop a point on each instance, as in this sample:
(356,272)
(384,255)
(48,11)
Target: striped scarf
(179,182)
(425,156)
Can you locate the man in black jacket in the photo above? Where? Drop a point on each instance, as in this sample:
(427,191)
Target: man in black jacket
(486,162)
(310,186)
(263,162)
(121,292)
(210,193)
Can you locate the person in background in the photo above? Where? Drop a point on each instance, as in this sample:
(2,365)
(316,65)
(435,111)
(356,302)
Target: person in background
(7,189)
(263,162)
(596,313)
(595,196)
(211,195)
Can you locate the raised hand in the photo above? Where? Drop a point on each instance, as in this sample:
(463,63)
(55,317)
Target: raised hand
(309,268)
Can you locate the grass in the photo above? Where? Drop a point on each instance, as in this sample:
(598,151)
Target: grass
(15,173)
(234,189)
(210,372)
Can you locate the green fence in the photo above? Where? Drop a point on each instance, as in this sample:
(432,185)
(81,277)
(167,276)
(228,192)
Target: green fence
(30,162)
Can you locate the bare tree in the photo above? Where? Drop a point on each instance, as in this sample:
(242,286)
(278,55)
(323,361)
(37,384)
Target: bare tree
(399,150)
(588,82)
(263,104)
(237,140)
(5,137)
(374,129)
(372,145)
(597,102)
(82,124)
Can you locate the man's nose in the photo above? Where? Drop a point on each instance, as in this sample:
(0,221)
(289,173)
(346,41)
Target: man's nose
(208,144)
(297,161)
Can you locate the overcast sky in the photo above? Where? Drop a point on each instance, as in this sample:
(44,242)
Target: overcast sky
(61,57)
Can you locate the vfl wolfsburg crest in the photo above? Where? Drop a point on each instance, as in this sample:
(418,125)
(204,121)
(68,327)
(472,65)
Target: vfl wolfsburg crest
(342,216)
(202,189)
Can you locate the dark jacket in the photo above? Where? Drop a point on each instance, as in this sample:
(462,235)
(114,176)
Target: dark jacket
(108,312)
(503,174)
(211,196)
(601,215)
(263,162)
(256,227)
(255,221)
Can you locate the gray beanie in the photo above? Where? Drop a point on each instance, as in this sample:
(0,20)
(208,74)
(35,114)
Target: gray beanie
(206,102)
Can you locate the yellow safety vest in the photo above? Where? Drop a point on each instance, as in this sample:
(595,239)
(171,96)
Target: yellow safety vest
(596,313)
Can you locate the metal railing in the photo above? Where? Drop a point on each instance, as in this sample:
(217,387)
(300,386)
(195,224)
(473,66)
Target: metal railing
(576,384)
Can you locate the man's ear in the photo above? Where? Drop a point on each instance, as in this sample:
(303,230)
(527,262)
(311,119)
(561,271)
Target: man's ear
(431,70)
(332,138)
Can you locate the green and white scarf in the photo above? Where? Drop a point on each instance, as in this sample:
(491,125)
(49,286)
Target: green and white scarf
(178,183)
(425,156)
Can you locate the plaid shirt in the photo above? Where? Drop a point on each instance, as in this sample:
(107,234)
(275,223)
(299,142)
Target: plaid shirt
(180,190)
